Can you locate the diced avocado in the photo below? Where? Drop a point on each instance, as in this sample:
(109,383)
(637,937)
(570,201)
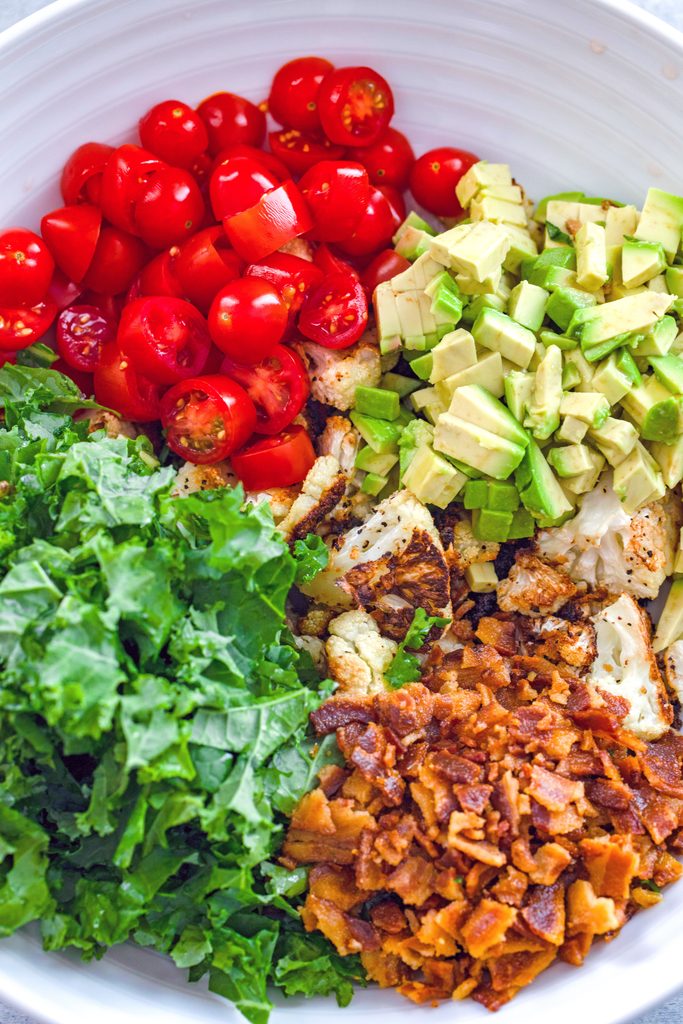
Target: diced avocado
(576,358)
(481,175)
(404,417)
(416,435)
(619,221)
(386,314)
(615,439)
(610,381)
(490,525)
(581,483)
(591,256)
(432,479)
(542,207)
(674,280)
(661,220)
(385,405)
(658,340)
(479,302)
(565,215)
(487,371)
(522,246)
(403,386)
(417,277)
(446,300)
(543,413)
(373,483)
(536,359)
(562,257)
(638,480)
(589,406)
(551,278)
(656,412)
(481,577)
(641,261)
(370,462)
(564,302)
(469,287)
(523,525)
(502,205)
(670,625)
(477,252)
(476,494)
(519,389)
(658,284)
(413,220)
(539,490)
(572,430)
(428,402)
(422,366)
(381,435)
(596,324)
(571,459)
(500,333)
(549,337)
(626,365)
(527,305)
(480,448)
(478,406)
(502,496)
(570,376)
(669,372)
(669,458)
(456,351)
(413,243)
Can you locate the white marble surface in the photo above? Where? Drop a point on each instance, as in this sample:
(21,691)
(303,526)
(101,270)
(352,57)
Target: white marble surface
(670,11)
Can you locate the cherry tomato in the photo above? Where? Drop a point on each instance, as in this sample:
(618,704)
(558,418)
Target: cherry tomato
(203,264)
(111,305)
(21,326)
(294,93)
(247,319)
(124,178)
(207,418)
(355,105)
(388,161)
(71,235)
(383,267)
(119,387)
(200,169)
(26,267)
(278,386)
(434,177)
(118,257)
(62,291)
(279,216)
(278,461)
(7,357)
(269,162)
(335,314)
(337,194)
(174,132)
(83,381)
(291,276)
(169,209)
(231,119)
(299,151)
(157,277)
(83,166)
(330,263)
(166,339)
(397,204)
(81,333)
(375,228)
(237,183)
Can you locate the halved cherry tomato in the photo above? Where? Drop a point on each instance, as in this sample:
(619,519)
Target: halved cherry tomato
(267,160)
(81,169)
(83,381)
(124,178)
(279,216)
(119,256)
(434,176)
(175,132)
(203,264)
(299,151)
(389,160)
(81,333)
(397,204)
(355,106)
(375,228)
(157,277)
(169,208)
(231,119)
(247,319)
(20,327)
(278,461)
(383,267)
(237,183)
(7,357)
(335,314)
(207,418)
(290,275)
(330,263)
(119,387)
(294,93)
(166,339)
(62,291)
(337,194)
(200,169)
(278,386)
(26,267)
(71,235)
(111,305)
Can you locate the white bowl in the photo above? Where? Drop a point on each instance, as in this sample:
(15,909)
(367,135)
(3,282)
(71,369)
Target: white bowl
(572,93)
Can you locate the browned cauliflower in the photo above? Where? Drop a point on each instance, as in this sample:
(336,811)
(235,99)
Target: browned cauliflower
(340,439)
(533,587)
(335,374)
(357,654)
(322,489)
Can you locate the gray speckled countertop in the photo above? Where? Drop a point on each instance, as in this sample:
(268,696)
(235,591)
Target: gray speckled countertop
(670,11)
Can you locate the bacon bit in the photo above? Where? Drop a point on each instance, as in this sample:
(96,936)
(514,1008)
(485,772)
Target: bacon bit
(413,881)
(384,969)
(485,852)
(341,711)
(553,791)
(406,711)
(511,887)
(611,863)
(576,949)
(661,764)
(348,934)
(645,898)
(544,913)
(313,814)
(486,926)
(511,973)
(482,665)
(389,917)
(596,915)
(497,633)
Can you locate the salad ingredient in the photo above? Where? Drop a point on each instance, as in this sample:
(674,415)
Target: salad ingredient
(293,98)
(278,386)
(238,182)
(22,326)
(231,120)
(383,267)
(389,160)
(82,173)
(248,319)
(169,209)
(26,268)
(119,386)
(207,418)
(292,277)
(375,228)
(165,339)
(119,258)
(276,461)
(71,235)
(335,313)
(320,492)
(299,151)
(174,132)
(355,105)
(434,176)
(279,216)
(203,265)
(335,374)
(358,656)
(81,333)
(337,194)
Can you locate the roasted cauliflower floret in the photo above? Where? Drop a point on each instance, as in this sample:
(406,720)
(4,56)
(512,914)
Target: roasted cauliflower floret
(340,439)
(534,588)
(322,489)
(335,374)
(673,670)
(560,640)
(280,500)
(357,654)
(192,478)
(461,546)
(625,666)
(602,544)
(316,649)
(110,423)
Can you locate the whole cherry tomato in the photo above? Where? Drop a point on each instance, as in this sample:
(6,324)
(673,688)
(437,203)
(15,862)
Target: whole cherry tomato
(166,339)
(269,162)
(396,203)
(355,106)
(383,267)
(337,194)
(207,418)
(231,119)
(278,386)
(81,333)
(389,160)
(335,314)
(434,176)
(26,267)
(118,257)
(293,99)
(124,178)
(21,326)
(279,216)
(374,230)
(290,275)
(298,150)
(119,387)
(279,461)
(237,183)
(203,264)
(169,209)
(175,132)
(157,277)
(82,169)
(71,235)
(62,291)
(247,319)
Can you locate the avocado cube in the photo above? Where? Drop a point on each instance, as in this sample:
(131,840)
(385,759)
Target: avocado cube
(403,386)
(626,365)
(527,303)
(562,213)
(422,366)
(577,359)
(543,414)
(669,372)
(477,253)
(499,210)
(500,333)
(416,222)
(489,525)
(432,479)
(519,389)
(674,280)
(638,480)
(596,324)
(641,261)
(591,256)
(541,210)
(476,405)
(655,410)
(670,625)
(479,302)
(456,351)
(481,577)
(554,277)
(581,483)
(476,494)
(548,337)
(502,496)
(483,450)
(539,490)
(658,340)
(564,302)
(429,403)
(610,381)
(661,220)
(669,458)
(386,314)
(562,257)
(487,371)
(446,300)
(416,435)
(385,405)
(571,430)
(417,277)
(615,439)
(481,175)
(589,406)
(522,246)
(571,459)
(373,483)
(523,525)
(469,287)
(370,462)
(658,284)
(619,222)
(381,435)
(413,243)
(570,376)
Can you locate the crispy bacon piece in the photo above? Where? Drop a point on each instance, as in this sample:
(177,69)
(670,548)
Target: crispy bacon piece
(486,926)
(544,913)
(612,864)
